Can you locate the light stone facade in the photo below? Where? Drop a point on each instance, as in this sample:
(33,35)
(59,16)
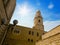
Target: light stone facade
(51,38)
(20,35)
(11,34)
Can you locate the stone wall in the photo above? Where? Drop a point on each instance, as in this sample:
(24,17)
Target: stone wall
(51,38)
(51,32)
(20,35)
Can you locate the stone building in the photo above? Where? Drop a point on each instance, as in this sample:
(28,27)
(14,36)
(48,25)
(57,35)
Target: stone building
(12,34)
(51,38)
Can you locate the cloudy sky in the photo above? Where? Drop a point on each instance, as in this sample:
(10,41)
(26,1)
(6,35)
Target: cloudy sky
(26,9)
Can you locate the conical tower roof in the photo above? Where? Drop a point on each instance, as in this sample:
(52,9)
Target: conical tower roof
(38,14)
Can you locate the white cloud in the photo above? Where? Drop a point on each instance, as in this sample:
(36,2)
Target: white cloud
(23,9)
(23,13)
(51,5)
(48,25)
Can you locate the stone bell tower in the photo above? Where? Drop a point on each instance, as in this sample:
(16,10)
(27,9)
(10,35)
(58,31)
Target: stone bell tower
(38,21)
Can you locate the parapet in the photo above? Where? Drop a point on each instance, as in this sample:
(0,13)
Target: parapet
(54,31)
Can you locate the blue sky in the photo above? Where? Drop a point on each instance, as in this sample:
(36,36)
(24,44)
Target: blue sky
(26,9)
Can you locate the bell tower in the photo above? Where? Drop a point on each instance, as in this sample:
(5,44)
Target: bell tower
(38,21)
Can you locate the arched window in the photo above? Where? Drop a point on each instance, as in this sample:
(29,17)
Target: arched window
(31,40)
(29,32)
(38,20)
(28,40)
(37,34)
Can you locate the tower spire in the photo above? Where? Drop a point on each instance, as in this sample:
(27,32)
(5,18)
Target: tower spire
(38,21)
(38,14)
